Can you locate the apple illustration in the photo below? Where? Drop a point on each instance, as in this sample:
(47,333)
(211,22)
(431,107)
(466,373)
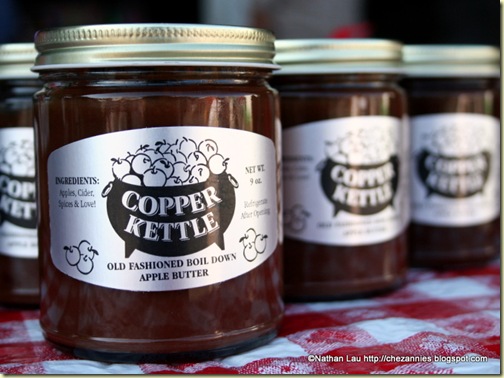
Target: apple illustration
(196,158)
(180,171)
(349,145)
(85,265)
(295,218)
(171,148)
(169,157)
(179,156)
(140,163)
(171,164)
(249,253)
(200,173)
(208,147)
(120,168)
(132,179)
(260,243)
(248,241)
(187,147)
(86,249)
(164,146)
(152,154)
(299,212)
(297,224)
(72,255)
(163,165)
(130,157)
(10,155)
(249,238)
(217,164)
(173,181)
(24,157)
(154,177)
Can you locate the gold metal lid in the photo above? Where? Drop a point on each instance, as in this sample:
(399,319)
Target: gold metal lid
(16,59)
(116,45)
(331,55)
(451,60)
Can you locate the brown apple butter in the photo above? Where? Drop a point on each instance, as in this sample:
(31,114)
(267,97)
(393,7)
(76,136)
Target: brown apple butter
(345,180)
(19,278)
(455,121)
(159,153)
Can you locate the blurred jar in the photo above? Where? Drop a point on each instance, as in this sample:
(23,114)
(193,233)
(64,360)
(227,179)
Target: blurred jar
(345,148)
(159,152)
(19,276)
(454,107)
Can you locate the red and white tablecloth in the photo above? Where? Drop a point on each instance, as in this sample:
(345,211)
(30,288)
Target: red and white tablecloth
(440,322)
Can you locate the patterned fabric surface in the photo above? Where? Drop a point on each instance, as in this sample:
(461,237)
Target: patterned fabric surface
(439,323)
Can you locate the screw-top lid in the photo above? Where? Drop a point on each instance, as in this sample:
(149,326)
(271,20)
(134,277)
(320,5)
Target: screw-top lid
(118,45)
(331,55)
(16,59)
(451,60)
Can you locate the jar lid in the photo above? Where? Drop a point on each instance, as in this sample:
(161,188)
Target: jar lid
(451,60)
(16,59)
(120,45)
(331,55)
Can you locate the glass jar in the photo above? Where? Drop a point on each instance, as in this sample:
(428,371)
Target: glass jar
(19,276)
(159,152)
(455,143)
(346,205)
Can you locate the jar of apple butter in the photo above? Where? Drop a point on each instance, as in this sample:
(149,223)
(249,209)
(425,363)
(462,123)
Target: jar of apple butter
(159,152)
(346,205)
(19,277)
(455,144)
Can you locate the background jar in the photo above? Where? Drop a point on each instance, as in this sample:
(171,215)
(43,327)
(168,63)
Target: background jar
(342,118)
(454,106)
(19,276)
(186,268)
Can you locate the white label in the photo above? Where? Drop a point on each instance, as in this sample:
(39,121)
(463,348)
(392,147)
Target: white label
(18,212)
(346,180)
(456,166)
(163,208)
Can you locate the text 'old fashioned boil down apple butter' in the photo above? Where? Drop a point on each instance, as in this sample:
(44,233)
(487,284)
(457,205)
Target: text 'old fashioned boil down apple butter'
(344,167)
(455,149)
(159,147)
(19,277)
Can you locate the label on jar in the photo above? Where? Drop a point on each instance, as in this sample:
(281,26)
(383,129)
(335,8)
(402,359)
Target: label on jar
(18,210)
(456,169)
(164,208)
(346,181)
